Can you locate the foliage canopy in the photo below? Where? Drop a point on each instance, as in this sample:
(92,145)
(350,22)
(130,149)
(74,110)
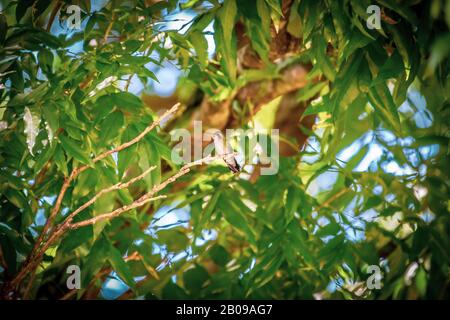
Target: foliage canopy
(365,111)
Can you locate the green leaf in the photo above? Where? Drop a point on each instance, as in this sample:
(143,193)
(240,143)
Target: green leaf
(236,218)
(310,91)
(194,279)
(96,259)
(356,159)
(402,10)
(22,7)
(323,61)
(200,45)
(264,16)
(128,155)
(3,27)
(163,149)
(51,115)
(146,73)
(317,173)
(111,127)
(421,281)
(372,202)
(294,26)
(38,36)
(332,228)
(172,291)
(135,60)
(340,21)
(45,156)
(323,106)
(17,198)
(407,49)
(310,11)
(381,98)
(297,238)
(45,58)
(332,245)
(208,211)
(293,201)
(120,266)
(226,38)
(391,69)
(60,160)
(219,255)
(126,101)
(270,269)
(79,236)
(175,239)
(257,23)
(201,21)
(150,157)
(9,253)
(356,41)
(275,5)
(344,81)
(74,150)
(439,51)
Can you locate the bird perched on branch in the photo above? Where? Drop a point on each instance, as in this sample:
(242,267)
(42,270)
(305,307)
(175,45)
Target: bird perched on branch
(224,150)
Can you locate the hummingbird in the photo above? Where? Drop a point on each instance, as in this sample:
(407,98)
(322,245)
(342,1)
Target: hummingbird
(225,151)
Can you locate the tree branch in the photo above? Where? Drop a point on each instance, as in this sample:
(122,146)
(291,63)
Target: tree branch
(53,15)
(109,28)
(145,198)
(117,186)
(113,213)
(75,172)
(41,245)
(67,225)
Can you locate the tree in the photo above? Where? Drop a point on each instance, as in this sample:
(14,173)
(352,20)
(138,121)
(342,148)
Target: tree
(358,207)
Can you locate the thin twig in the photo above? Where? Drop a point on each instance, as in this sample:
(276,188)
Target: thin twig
(113,213)
(127,84)
(53,15)
(108,29)
(29,285)
(146,197)
(117,186)
(333,198)
(69,294)
(52,216)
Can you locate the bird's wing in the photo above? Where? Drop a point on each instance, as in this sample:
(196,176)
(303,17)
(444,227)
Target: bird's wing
(224,149)
(219,144)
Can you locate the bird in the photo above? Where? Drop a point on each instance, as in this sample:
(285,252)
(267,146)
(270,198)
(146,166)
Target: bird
(225,151)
